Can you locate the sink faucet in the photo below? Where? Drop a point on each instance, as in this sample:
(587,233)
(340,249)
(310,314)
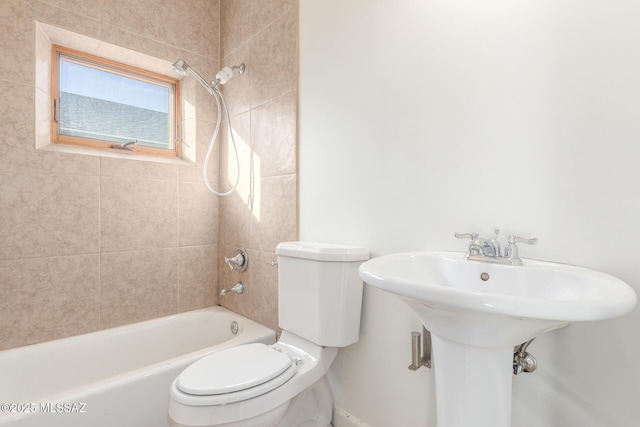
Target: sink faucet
(489,249)
(486,247)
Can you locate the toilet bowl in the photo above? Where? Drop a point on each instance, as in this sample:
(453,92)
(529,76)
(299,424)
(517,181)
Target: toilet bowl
(283,385)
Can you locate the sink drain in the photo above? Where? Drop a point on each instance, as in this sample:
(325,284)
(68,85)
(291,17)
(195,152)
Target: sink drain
(484,277)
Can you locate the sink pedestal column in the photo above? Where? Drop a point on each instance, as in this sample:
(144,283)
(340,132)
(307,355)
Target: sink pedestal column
(473,384)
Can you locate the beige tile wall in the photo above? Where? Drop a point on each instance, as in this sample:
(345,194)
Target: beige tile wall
(263,103)
(87,242)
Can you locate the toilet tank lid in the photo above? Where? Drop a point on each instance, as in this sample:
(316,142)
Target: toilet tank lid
(322,251)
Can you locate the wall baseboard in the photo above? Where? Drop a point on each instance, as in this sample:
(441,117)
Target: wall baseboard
(342,418)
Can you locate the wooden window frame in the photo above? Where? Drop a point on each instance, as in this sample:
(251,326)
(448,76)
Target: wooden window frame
(126,71)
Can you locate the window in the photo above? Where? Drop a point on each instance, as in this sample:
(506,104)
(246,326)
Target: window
(105,104)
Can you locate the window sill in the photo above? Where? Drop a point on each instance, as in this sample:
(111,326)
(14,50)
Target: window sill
(114,154)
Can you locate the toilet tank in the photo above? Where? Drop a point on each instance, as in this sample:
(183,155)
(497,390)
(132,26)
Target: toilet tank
(320,291)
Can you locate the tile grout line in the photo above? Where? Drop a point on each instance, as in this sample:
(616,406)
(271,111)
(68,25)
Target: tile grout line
(178,246)
(100,244)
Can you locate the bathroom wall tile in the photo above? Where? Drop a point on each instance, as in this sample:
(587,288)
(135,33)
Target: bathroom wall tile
(198,215)
(16,62)
(275,212)
(190,24)
(189,142)
(274,59)
(46,215)
(235,24)
(140,214)
(88,8)
(241,131)
(235,218)
(264,289)
(140,17)
(16,110)
(69,20)
(47,298)
(133,170)
(138,285)
(198,277)
(16,13)
(66,163)
(16,155)
(228,278)
(237,92)
(273,135)
(131,40)
(264,12)
(203,131)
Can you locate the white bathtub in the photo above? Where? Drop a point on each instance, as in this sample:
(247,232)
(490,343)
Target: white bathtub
(117,377)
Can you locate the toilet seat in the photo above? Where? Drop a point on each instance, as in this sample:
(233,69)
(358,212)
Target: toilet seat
(235,374)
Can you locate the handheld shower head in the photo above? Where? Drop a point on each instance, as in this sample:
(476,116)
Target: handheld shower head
(222,77)
(182,68)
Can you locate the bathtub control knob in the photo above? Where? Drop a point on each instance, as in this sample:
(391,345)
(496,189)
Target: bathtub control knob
(238,262)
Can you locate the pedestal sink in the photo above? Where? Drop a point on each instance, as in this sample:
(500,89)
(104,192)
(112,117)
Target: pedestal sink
(478,311)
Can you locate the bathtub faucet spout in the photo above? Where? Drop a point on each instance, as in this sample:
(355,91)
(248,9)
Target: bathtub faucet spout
(238,289)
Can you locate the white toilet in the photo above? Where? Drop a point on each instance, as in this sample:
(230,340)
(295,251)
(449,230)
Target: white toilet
(255,385)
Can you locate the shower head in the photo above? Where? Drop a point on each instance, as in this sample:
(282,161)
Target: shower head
(182,68)
(226,74)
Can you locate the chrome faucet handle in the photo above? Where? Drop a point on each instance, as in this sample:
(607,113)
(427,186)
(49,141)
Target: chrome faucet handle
(235,261)
(470,236)
(475,247)
(512,240)
(239,261)
(511,250)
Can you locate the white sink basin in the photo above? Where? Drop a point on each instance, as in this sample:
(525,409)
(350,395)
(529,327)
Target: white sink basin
(478,311)
(537,290)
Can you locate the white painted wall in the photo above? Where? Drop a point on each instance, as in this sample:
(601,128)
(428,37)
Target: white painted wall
(419,118)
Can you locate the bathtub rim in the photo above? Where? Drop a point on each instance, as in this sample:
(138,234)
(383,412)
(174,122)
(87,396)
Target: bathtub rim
(250,331)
